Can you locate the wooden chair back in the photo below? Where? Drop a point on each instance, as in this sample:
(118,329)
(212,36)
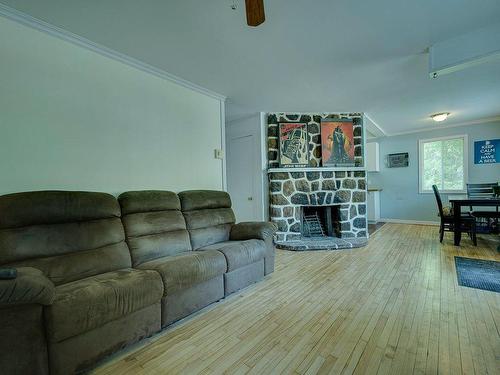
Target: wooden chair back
(438,200)
(478,191)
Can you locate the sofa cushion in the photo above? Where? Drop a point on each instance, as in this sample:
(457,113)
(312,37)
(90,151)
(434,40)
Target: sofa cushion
(239,253)
(208,215)
(68,235)
(54,207)
(83,305)
(185,270)
(204,199)
(133,202)
(29,286)
(154,225)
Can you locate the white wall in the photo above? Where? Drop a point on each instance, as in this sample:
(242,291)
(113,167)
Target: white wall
(74,119)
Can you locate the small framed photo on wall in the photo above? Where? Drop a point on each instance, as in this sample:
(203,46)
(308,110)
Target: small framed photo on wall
(293,149)
(399,160)
(337,142)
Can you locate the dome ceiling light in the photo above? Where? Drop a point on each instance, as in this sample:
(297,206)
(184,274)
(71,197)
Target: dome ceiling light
(439,117)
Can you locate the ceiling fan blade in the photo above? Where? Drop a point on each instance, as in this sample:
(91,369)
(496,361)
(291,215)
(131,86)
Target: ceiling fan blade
(255,12)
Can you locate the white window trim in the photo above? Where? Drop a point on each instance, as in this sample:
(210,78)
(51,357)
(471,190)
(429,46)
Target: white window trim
(421,163)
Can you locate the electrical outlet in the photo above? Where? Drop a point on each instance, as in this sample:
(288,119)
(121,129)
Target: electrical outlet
(218,154)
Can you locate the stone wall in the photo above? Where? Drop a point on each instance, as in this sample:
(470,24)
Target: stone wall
(291,190)
(313,122)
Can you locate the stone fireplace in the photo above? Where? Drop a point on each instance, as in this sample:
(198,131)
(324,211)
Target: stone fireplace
(330,201)
(292,191)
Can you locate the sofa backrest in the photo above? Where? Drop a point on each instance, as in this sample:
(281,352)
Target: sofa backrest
(208,215)
(154,224)
(68,235)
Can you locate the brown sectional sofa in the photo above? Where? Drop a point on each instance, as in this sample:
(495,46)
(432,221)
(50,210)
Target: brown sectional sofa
(96,274)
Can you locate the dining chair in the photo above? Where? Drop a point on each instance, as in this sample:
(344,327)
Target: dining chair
(467,222)
(486,219)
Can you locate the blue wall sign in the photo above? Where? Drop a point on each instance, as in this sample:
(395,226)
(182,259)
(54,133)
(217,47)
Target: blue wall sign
(487,152)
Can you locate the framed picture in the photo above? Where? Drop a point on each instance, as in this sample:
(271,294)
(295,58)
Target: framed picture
(293,145)
(398,160)
(487,152)
(337,143)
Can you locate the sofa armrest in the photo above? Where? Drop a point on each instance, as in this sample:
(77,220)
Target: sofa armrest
(253,230)
(29,287)
(261,231)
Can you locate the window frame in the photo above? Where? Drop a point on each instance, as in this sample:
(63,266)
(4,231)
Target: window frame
(421,143)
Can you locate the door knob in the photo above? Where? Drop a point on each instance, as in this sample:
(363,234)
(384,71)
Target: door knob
(250,198)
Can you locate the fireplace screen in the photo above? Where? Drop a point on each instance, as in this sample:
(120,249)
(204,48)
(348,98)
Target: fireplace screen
(320,221)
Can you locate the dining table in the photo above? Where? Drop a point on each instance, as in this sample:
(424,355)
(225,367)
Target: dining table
(458,202)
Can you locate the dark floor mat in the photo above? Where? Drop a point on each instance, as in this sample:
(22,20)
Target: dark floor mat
(478,273)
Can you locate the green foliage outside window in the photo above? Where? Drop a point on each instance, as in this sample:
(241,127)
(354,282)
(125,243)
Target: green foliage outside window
(443,164)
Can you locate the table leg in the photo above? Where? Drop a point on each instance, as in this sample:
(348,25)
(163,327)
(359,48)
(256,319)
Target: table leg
(457,228)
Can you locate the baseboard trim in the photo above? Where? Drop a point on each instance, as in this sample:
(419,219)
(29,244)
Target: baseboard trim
(37,24)
(417,222)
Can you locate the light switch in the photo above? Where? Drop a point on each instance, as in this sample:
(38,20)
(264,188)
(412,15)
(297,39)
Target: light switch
(218,153)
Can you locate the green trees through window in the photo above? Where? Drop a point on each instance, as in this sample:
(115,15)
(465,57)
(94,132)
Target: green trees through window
(443,163)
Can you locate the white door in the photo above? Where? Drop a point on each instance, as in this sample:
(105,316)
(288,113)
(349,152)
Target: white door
(373,208)
(240,176)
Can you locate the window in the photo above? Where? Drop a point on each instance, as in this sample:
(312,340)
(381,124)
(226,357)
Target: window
(443,162)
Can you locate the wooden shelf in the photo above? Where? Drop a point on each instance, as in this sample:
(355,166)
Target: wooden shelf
(317,169)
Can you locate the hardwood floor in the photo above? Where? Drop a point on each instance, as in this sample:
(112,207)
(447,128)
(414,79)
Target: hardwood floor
(393,307)
(372,228)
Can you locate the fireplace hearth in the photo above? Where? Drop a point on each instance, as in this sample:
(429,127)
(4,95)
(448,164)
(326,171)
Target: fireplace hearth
(321,243)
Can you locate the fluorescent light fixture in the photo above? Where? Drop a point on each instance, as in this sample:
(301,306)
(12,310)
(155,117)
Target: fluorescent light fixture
(438,117)
(464,51)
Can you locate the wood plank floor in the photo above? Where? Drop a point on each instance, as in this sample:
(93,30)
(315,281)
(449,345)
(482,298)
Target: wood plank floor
(393,307)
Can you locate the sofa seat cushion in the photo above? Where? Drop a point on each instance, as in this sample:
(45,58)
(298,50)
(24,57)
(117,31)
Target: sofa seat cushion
(188,269)
(85,304)
(239,253)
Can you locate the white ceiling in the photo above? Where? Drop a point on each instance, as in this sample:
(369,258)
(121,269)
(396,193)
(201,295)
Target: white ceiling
(310,55)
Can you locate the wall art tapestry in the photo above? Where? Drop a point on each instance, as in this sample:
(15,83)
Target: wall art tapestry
(293,145)
(337,142)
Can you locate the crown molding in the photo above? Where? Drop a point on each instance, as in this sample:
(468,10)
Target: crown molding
(466,123)
(37,24)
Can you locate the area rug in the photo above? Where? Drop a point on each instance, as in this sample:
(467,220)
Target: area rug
(478,273)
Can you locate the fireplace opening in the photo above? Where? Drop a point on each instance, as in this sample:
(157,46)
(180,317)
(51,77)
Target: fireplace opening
(320,221)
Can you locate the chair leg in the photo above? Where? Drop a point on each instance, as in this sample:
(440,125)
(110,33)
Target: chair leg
(441,232)
(474,237)
(472,232)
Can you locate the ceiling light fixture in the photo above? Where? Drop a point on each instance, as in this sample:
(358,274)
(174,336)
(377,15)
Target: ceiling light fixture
(465,51)
(438,117)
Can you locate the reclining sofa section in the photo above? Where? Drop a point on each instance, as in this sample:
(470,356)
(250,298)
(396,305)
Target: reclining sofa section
(211,224)
(96,274)
(72,259)
(158,240)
